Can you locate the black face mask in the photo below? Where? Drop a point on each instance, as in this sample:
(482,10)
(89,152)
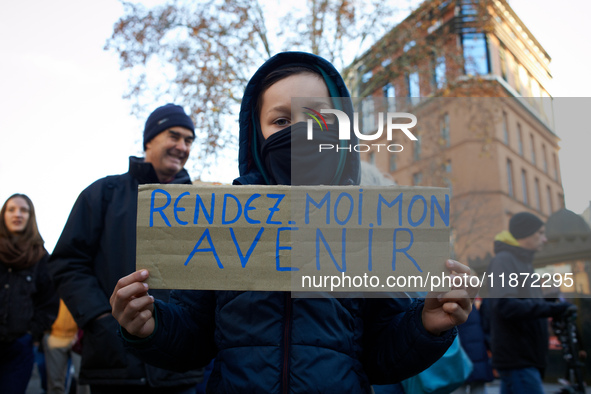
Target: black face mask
(291,159)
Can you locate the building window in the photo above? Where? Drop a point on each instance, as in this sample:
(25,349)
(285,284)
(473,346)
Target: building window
(523,81)
(561,200)
(516,76)
(417,148)
(549,195)
(555,167)
(439,71)
(536,95)
(533,149)
(544,160)
(390,97)
(524,187)
(468,11)
(368,115)
(475,54)
(505,129)
(393,162)
(447,167)
(503,61)
(447,175)
(520,139)
(445,129)
(510,178)
(417,178)
(538,199)
(413,87)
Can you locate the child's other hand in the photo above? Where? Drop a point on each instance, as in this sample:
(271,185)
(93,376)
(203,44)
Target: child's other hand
(443,311)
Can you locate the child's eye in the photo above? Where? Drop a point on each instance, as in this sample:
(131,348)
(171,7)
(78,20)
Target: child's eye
(281,122)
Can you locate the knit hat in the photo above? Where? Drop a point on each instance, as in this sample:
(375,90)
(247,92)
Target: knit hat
(524,224)
(164,118)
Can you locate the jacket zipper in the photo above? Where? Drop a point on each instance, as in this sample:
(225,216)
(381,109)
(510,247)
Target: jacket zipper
(286,341)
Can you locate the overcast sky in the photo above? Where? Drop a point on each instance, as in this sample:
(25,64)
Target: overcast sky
(64,124)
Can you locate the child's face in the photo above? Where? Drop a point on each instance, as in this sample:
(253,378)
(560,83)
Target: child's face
(276,101)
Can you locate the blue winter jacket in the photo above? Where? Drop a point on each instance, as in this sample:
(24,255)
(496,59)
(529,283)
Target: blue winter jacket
(269,342)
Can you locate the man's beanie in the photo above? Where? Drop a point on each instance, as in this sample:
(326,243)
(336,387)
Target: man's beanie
(524,224)
(165,117)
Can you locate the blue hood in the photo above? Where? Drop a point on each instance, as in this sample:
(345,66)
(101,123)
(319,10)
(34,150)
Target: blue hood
(248,157)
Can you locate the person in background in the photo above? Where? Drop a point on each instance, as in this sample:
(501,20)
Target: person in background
(28,302)
(98,246)
(474,343)
(519,313)
(57,347)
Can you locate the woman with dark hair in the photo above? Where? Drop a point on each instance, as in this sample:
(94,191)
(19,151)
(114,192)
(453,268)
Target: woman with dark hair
(28,302)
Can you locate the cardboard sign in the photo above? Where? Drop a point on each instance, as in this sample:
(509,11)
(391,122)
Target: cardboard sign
(294,238)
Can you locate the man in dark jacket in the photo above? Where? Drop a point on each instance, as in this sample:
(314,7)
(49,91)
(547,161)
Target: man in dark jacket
(98,246)
(269,342)
(518,312)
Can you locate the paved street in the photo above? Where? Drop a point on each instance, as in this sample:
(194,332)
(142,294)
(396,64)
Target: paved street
(495,388)
(492,388)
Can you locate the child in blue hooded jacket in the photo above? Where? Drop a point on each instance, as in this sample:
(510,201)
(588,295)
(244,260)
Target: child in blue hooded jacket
(269,342)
